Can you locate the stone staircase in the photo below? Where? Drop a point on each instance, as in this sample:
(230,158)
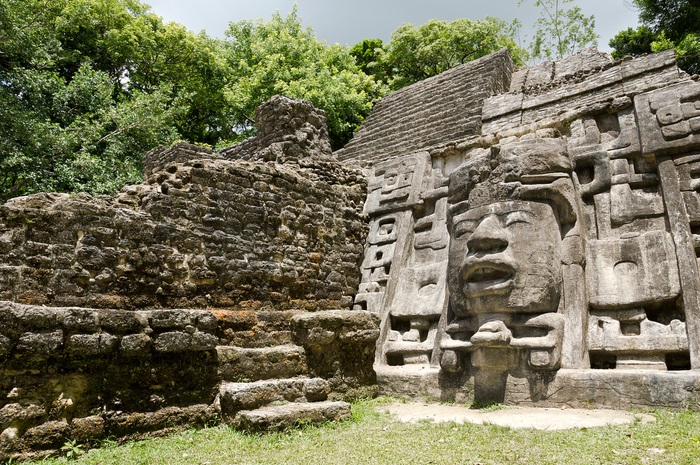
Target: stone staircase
(270,389)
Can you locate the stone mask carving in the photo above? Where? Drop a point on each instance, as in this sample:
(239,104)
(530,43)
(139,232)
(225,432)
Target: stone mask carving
(505,258)
(508,213)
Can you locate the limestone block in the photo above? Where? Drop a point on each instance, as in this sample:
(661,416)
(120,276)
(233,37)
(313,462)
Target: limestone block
(632,271)
(87,428)
(627,204)
(370,301)
(689,176)
(173,341)
(606,334)
(203,341)
(280,417)
(239,363)
(421,291)
(121,321)
(45,343)
(539,75)
(135,345)
(17,414)
(78,319)
(40,317)
(322,328)
(49,435)
(396,184)
(247,396)
(500,105)
(583,61)
(431,230)
(170,319)
(669,118)
(383,229)
(593,170)
(91,344)
(176,341)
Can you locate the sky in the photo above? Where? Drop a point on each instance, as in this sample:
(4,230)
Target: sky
(348,22)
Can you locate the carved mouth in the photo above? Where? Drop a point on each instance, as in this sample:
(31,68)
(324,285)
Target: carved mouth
(483,278)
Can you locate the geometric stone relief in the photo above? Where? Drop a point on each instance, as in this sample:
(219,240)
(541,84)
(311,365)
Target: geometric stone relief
(669,118)
(535,254)
(396,184)
(414,314)
(537,250)
(634,341)
(404,278)
(635,270)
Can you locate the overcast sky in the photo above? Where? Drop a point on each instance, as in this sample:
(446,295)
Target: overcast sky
(348,22)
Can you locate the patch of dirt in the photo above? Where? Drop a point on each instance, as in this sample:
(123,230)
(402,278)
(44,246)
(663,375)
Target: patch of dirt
(514,417)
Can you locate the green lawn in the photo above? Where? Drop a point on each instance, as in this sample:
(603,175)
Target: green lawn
(373,438)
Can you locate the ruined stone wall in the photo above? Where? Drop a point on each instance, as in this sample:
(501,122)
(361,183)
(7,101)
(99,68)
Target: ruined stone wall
(134,314)
(198,233)
(86,374)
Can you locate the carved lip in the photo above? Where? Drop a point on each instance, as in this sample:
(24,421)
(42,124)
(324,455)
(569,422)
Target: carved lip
(484,277)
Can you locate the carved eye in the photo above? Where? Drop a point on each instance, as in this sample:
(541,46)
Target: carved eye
(464,228)
(518,217)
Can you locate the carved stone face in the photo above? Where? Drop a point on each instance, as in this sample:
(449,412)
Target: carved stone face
(505,258)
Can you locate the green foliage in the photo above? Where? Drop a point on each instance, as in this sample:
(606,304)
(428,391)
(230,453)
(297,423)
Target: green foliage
(72,449)
(676,18)
(281,57)
(688,53)
(559,31)
(632,42)
(370,56)
(418,52)
(667,24)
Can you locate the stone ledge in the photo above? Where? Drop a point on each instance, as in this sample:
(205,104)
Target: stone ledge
(234,397)
(280,417)
(616,389)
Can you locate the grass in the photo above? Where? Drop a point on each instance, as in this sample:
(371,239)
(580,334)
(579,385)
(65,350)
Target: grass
(374,438)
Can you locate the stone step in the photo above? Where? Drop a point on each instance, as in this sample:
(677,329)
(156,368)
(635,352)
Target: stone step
(254,364)
(280,417)
(234,397)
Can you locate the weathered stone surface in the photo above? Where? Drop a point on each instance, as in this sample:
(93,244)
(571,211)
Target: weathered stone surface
(252,364)
(564,235)
(219,231)
(98,293)
(525,236)
(339,346)
(280,417)
(403,122)
(234,397)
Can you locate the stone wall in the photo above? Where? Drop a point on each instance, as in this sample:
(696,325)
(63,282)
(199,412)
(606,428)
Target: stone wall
(200,231)
(549,254)
(444,107)
(134,314)
(86,374)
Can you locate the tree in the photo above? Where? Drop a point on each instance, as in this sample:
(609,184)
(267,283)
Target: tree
(69,119)
(416,53)
(632,42)
(281,57)
(559,31)
(676,18)
(370,56)
(666,24)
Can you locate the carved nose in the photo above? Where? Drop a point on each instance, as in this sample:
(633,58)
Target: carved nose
(489,236)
